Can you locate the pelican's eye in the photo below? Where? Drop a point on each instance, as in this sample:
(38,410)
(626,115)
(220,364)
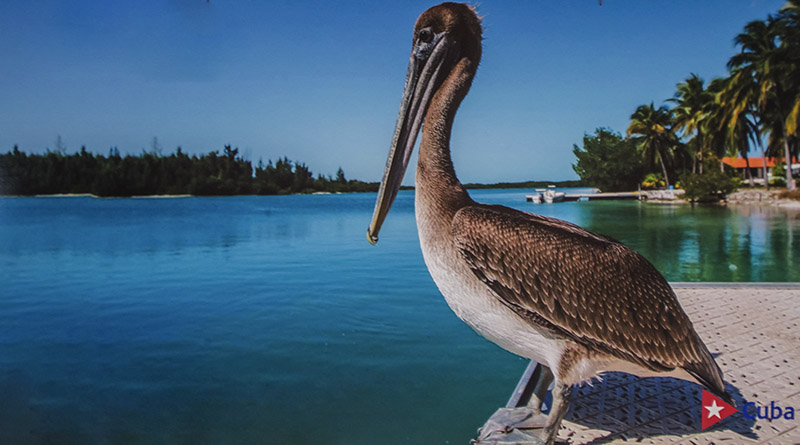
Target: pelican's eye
(426,41)
(425,35)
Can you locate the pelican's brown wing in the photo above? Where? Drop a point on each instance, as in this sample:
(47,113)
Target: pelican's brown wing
(587,287)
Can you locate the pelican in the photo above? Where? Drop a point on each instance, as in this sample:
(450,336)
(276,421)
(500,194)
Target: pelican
(576,302)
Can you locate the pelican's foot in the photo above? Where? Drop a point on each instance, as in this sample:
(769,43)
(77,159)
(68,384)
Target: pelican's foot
(513,425)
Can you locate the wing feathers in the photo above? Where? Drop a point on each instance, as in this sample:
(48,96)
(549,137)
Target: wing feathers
(587,287)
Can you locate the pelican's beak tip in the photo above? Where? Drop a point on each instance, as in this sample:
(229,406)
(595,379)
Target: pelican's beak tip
(371,238)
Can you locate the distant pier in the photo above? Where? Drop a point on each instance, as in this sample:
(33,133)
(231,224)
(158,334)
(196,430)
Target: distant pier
(653,195)
(595,196)
(602,196)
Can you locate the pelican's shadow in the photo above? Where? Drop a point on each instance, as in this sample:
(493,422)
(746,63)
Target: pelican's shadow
(623,406)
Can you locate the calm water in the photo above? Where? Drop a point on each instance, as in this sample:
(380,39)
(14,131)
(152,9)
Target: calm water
(271,320)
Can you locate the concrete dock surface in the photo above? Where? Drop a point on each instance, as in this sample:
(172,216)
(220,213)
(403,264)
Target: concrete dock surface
(752,329)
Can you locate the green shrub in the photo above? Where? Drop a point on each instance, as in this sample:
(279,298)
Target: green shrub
(653,181)
(777,181)
(779,171)
(778,175)
(608,161)
(710,186)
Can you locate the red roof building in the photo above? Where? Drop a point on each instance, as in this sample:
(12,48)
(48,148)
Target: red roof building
(738,163)
(756,165)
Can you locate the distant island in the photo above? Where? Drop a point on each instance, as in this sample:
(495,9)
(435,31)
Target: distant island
(151,173)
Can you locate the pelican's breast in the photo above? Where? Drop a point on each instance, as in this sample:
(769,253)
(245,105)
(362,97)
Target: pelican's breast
(473,302)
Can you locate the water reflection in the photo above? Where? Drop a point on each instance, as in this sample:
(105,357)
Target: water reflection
(690,243)
(694,243)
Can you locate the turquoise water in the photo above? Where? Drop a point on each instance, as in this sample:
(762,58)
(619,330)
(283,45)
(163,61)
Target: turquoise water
(271,320)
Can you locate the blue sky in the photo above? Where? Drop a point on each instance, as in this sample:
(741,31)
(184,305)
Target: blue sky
(320,82)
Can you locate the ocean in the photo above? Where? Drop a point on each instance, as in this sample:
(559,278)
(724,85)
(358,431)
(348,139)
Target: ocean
(271,320)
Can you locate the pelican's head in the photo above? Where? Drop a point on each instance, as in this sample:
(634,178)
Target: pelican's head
(444,37)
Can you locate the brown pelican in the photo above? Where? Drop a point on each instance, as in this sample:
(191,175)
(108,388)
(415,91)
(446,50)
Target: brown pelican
(579,303)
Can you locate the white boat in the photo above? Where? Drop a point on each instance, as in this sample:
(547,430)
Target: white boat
(548,195)
(537,197)
(551,195)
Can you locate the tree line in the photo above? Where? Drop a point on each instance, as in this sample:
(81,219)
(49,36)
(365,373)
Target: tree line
(152,173)
(704,122)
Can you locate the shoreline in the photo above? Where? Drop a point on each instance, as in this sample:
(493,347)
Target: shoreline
(742,197)
(91,195)
(761,197)
(787,204)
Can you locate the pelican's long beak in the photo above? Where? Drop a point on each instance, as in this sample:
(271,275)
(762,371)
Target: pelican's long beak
(426,71)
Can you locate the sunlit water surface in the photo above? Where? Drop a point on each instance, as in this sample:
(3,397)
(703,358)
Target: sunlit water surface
(271,320)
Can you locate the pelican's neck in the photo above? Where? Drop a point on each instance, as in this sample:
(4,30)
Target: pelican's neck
(436,181)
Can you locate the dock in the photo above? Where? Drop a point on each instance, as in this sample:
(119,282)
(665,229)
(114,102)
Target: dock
(753,331)
(655,195)
(594,196)
(601,196)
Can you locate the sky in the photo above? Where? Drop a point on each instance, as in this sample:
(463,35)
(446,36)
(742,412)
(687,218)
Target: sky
(320,82)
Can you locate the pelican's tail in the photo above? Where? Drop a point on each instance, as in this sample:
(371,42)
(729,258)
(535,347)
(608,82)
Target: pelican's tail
(707,372)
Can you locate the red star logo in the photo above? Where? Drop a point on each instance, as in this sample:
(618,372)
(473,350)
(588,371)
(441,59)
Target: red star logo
(713,410)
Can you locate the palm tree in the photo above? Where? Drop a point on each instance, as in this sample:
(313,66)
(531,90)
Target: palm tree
(692,101)
(739,109)
(715,121)
(789,19)
(656,139)
(769,60)
(741,133)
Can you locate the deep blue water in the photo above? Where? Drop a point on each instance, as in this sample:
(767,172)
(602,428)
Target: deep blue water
(271,320)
